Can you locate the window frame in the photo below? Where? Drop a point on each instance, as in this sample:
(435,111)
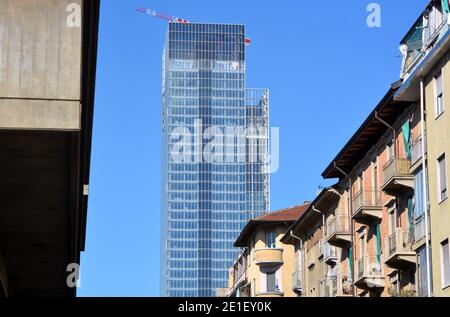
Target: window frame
(442,162)
(267,234)
(438,106)
(445,244)
(273,288)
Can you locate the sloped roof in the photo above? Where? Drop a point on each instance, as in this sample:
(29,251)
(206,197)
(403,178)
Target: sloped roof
(287,215)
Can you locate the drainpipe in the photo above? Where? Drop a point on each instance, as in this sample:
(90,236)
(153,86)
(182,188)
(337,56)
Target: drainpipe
(302,258)
(350,202)
(392,129)
(424,190)
(323,235)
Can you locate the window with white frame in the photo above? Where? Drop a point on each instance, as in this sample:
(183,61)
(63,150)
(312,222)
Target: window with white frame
(445,254)
(442,178)
(271,282)
(439,95)
(270,239)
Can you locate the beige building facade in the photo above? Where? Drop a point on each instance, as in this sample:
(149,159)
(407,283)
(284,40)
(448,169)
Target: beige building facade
(266,265)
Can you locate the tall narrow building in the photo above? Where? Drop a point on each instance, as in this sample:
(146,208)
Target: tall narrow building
(214,155)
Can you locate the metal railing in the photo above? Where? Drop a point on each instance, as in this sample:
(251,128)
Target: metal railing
(340,285)
(396,242)
(419,228)
(366,197)
(339,224)
(324,287)
(419,43)
(239,268)
(329,252)
(416,153)
(297,280)
(370,265)
(394,167)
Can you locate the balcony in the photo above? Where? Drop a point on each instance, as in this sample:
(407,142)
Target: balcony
(329,254)
(398,253)
(340,286)
(324,287)
(396,175)
(423,38)
(269,256)
(297,285)
(338,231)
(370,272)
(367,205)
(238,275)
(269,294)
(416,152)
(420,231)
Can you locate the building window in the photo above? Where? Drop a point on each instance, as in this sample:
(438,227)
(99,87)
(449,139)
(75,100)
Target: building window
(439,102)
(271,282)
(442,178)
(270,239)
(445,252)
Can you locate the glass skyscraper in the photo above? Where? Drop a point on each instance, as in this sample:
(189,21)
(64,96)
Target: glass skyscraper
(214,155)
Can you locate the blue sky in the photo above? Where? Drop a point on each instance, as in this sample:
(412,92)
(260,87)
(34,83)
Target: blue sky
(326,71)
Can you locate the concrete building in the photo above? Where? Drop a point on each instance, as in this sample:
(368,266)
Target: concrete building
(47,79)
(207,199)
(266,265)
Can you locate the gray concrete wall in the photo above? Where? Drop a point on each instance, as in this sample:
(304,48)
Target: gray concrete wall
(40,64)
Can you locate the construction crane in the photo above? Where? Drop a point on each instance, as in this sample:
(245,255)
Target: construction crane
(170,18)
(160,15)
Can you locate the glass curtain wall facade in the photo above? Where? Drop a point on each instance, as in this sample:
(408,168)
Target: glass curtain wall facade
(210,188)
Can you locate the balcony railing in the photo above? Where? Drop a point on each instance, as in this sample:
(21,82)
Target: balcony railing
(416,153)
(366,197)
(324,287)
(329,253)
(419,42)
(398,249)
(339,225)
(340,285)
(370,272)
(419,229)
(367,204)
(297,285)
(396,174)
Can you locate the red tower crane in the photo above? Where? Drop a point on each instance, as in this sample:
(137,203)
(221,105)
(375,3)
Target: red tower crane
(170,18)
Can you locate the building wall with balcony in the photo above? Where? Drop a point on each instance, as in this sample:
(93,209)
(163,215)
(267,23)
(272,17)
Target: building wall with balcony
(438,143)
(381,207)
(323,267)
(270,263)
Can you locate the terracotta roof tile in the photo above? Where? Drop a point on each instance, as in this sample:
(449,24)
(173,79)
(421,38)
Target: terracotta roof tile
(287,214)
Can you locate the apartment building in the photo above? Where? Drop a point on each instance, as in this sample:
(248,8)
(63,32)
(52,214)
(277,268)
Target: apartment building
(322,241)
(383,229)
(425,74)
(392,183)
(375,166)
(266,265)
